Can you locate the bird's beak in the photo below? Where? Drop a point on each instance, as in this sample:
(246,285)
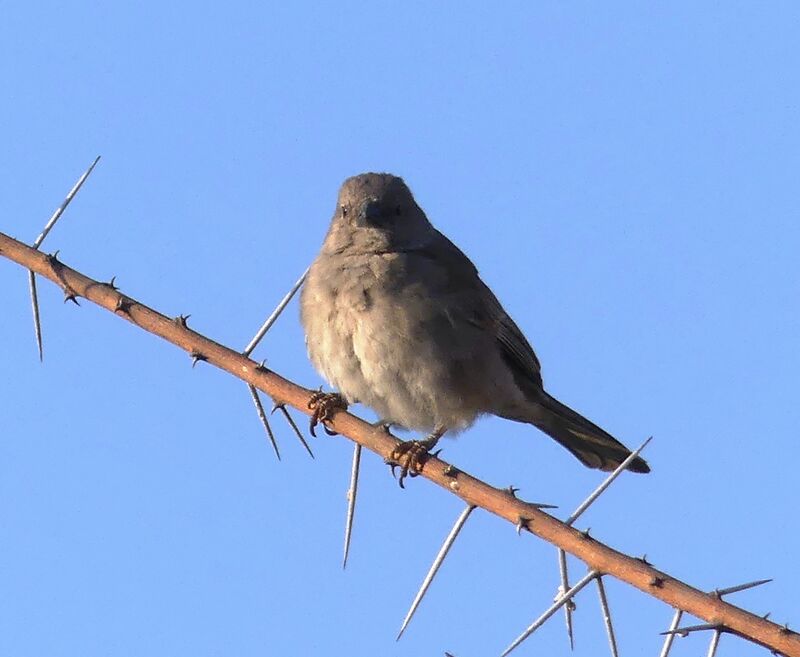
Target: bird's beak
(371,212)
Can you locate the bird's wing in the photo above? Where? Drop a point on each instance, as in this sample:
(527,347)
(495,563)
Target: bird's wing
(490,313)
(515,346)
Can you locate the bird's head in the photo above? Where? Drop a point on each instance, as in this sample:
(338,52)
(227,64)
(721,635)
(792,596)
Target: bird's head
(376,212)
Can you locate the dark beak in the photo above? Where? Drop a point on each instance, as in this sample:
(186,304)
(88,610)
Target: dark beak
(371,212)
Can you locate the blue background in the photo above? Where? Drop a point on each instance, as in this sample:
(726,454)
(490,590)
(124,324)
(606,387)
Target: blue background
(625,178)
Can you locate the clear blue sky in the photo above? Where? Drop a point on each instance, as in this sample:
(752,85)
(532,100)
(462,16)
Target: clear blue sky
(625,178)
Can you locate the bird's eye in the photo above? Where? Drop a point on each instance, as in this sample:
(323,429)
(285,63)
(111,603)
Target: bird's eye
(344,210)
(398,210)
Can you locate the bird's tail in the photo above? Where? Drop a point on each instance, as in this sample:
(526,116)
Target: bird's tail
(589,443)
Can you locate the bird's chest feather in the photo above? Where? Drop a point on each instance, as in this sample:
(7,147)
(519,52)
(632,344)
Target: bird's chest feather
(379,305)
(372,313)
(393,335)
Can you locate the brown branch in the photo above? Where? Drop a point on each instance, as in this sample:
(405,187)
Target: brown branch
(596,555)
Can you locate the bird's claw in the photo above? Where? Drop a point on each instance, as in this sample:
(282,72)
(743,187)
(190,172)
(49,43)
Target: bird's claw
(324,406)
(410,457)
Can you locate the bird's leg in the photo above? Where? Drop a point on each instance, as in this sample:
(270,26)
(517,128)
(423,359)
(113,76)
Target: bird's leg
(324,406)
(410,455)
(385,425)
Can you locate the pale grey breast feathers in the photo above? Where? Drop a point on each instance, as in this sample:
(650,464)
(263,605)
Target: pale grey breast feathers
(397,317)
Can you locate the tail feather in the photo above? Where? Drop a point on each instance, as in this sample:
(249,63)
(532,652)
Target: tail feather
(589,443)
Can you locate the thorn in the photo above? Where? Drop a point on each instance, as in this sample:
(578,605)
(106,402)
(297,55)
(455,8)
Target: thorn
(563,588)
(282,409)
(262,366)
(197,357)
(263,417)
(112,283)
(522,523)
(712,647)
(437,563)
(657,582)
(585,534)
(434,454)
(785,629)
(182,320)
(274,316)
(718,593)
(644,560)
(512,490)
(352,493)
(123,305)
(678,631)
(670,637)
(56,266)
(687,630)
(606,483)
(60,210)
(588,577)
(450,471)
(37,324)
(606,611)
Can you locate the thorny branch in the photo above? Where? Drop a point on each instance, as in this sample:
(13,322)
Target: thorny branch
(598,557)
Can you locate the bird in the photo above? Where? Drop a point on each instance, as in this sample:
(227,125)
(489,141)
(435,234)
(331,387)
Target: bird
(397,318)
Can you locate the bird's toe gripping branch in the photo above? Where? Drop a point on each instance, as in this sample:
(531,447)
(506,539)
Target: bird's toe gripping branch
(410,456)
(324,406)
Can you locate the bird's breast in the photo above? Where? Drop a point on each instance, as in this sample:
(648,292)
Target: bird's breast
(399,341)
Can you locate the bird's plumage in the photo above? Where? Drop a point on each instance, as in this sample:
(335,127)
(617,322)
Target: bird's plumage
(397,317)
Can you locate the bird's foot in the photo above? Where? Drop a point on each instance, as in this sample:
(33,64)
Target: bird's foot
(324,406)
(410,456)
